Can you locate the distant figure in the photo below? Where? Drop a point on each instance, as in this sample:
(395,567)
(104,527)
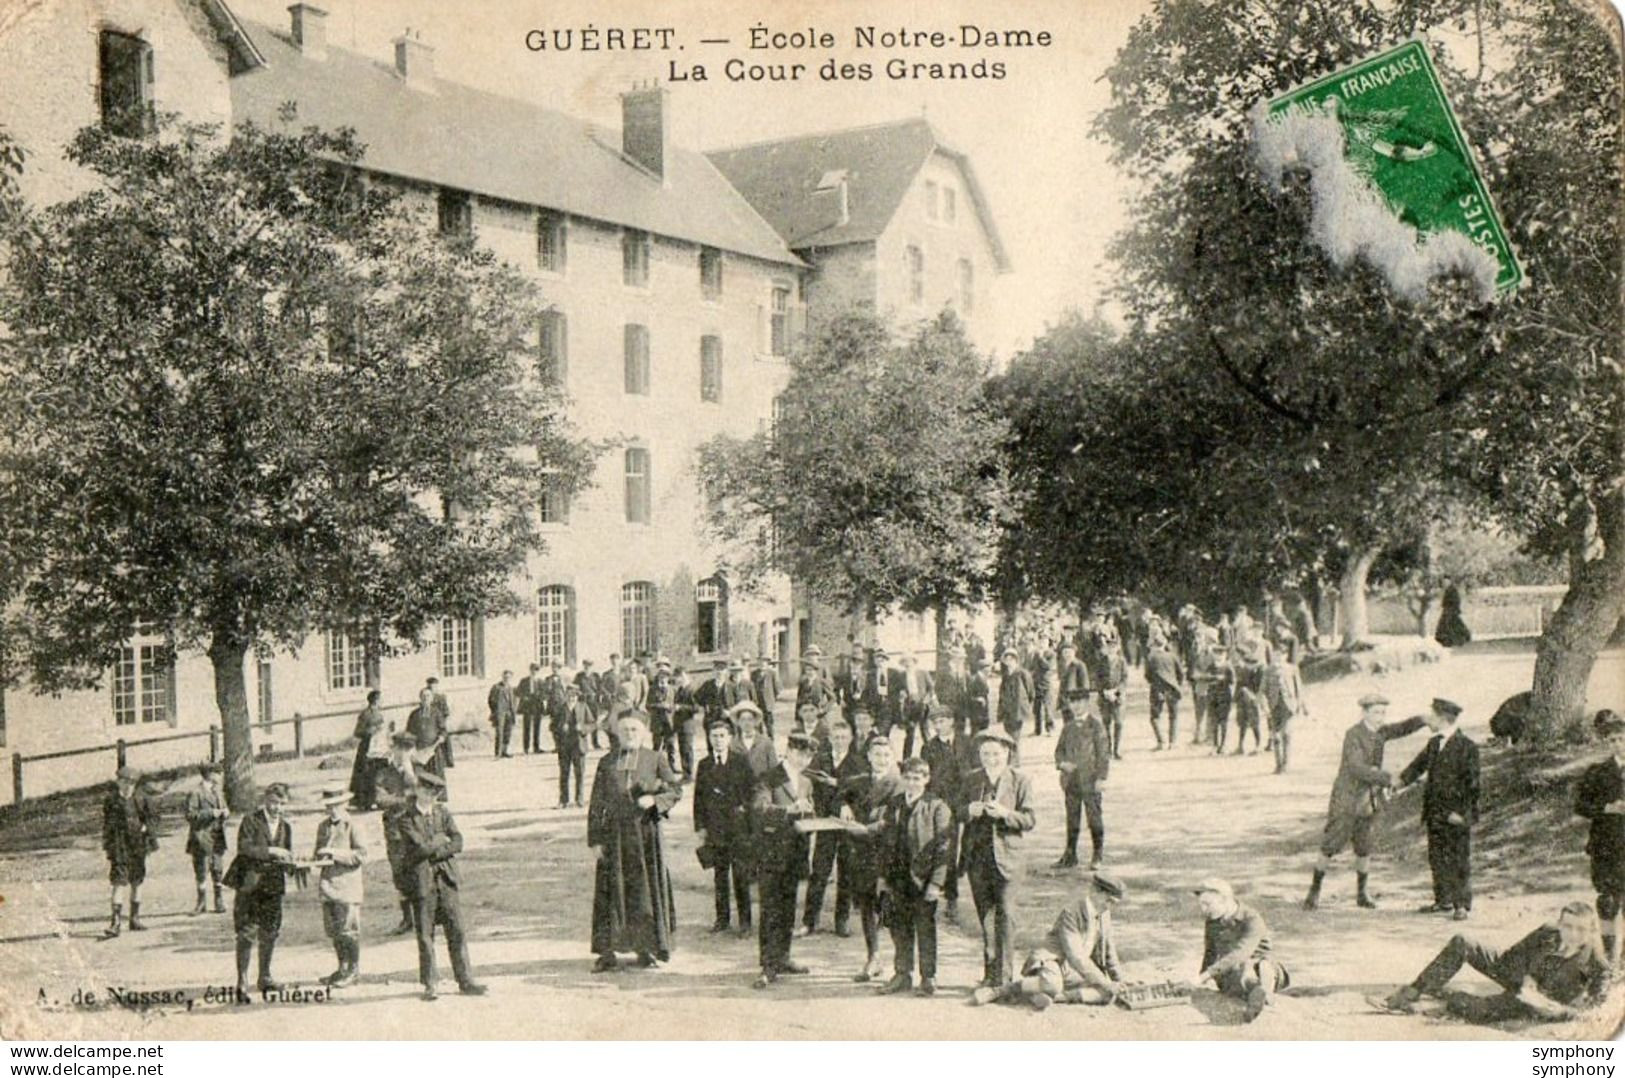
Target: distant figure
(1452,631)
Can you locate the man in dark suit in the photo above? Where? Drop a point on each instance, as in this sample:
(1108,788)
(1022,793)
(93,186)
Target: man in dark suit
(913,692)
(572,724)
(1163,673)
(849,681)
(950,761)
(431,842)
(723,789)
(764,683)
(440,708)
(812,686)
(259,876)
(1600,797)
(424,726)
(662,706)
(736,689)
(1449,807)
(916,832)
(1083,758)
(977,711)
(590,687)
(708,694)
(997,811)
(782,798)
(1109,674)
(835,765)
(532,698)
(503,705)
(1015,700)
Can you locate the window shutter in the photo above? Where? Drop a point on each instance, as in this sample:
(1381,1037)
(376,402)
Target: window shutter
(564,242)
(476,634)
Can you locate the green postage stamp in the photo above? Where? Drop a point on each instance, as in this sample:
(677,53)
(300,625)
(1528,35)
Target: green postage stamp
(1379,136)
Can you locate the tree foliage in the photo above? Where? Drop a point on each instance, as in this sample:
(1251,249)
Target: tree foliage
(883,484)
(247,396)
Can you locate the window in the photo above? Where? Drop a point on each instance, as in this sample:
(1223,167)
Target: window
(930,200)
(456,213)
(967,286)
(637,617)
(914,259)
(555,625)
(550,240)
(144,682)
(555,505)
(637,487)
(126,85)
(552,348)
(711,614)
(263,686)
(636,342)
(346,662)
(710,273)
(634,257)
(461,649)
(780,321)
(711,368)
(950,209)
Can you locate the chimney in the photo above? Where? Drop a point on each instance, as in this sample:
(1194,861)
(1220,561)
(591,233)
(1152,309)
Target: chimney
(414,61)
(834,181)
(309,30)
(643,127)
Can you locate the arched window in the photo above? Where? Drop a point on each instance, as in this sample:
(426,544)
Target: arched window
(711,614)
(556,624)
(637,618)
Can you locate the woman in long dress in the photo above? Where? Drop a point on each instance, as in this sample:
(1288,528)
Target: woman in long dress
(632,792)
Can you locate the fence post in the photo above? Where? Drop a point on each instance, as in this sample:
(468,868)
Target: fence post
(16,778)
(298,735)
(214,744)
(121,757)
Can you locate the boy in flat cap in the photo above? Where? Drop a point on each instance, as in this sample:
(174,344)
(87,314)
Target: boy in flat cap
(749,741)
(339,844)
(1236,957)
(1077,962)
(259,876)
(1015,700)
(206,815)
(723,788)
(393,794)
(1359,791)
(916,830)
(997,812)
(431,843)
(863,801)
(1599,797)
(837,764)
(1449,807)
(782,798)
(127,838)
(1083,759)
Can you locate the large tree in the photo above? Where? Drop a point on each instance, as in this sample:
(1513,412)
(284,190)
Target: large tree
(248,396)
(882,485)
(1522,394)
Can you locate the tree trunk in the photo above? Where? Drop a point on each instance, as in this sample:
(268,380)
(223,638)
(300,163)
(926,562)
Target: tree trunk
(372,656)
(943,661)
(1351,588)
(227,653)
(1567,650)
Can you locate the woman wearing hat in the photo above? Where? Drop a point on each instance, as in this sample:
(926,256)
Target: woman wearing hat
(632,792)
(127,838)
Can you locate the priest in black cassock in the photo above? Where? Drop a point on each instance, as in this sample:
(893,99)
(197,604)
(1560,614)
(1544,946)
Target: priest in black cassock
(632,792)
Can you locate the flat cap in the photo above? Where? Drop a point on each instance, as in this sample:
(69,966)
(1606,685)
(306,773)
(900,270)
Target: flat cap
(994,734)
(1108,884)
(1373,699)
(429,778)
(939,711)
(1216,885)
(277,789)
(800,743)
(1009,653)
(814,652)
(1446,707)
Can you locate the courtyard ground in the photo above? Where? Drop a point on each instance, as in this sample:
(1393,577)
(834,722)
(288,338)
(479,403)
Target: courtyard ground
(1172,818)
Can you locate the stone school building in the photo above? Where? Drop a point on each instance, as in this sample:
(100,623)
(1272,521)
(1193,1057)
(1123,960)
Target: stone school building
(678,283)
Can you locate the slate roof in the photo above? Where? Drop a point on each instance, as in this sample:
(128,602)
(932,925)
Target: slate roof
(457,136)
(781,178)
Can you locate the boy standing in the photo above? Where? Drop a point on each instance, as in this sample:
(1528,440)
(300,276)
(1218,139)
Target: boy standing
(1083,758)
(127,838)
(259,876)
(1449,807)
(782,798)
(917,830)
(338,844)
(206,835)
(863,801)
(1600,798)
